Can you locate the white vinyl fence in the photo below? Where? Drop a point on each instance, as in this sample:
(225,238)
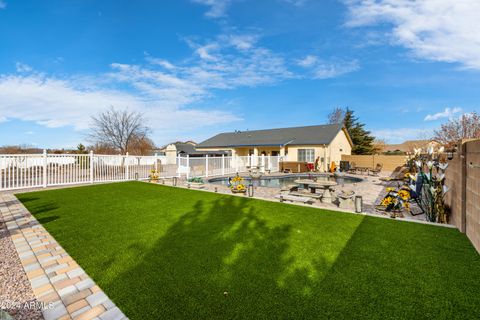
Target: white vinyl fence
(19,171)
(218,166)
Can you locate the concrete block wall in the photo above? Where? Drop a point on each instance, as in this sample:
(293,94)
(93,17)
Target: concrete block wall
(463,178)
(472,214)
(389,162)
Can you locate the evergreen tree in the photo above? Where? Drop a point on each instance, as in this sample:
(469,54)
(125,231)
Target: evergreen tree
(81,149)
(361,138)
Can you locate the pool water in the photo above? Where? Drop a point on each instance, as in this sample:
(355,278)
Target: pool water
(282,181)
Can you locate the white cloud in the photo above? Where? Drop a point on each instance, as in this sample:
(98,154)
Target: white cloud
(169,93)
(400,135)
(3,4)
(321,69)
(218,8)
(22,67)
(437,30)
(166,92)
(332,70)
(54,102)
(308,61)
(447,113)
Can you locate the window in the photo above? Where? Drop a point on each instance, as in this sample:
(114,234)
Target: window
(306,155)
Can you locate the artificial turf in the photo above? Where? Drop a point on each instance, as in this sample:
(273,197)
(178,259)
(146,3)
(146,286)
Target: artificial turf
(168,253)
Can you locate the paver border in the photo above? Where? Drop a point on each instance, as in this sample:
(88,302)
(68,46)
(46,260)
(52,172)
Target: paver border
(59,284)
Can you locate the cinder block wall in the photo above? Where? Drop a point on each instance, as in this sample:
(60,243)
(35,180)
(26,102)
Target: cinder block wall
(389,162)
(463,178)
(472,214)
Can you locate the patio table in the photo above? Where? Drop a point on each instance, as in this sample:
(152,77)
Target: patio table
(362,169)
(314,185)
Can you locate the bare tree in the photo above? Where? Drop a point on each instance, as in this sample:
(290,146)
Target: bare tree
(118,129)
(379,145)
(465,127)
(337,115)
(141,146)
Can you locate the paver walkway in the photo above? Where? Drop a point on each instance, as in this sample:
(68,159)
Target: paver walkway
(59,284)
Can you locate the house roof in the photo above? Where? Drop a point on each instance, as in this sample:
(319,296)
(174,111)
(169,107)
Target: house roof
(309,135)
(188,148)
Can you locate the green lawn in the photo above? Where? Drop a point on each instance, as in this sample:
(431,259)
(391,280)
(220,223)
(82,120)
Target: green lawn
(166,253)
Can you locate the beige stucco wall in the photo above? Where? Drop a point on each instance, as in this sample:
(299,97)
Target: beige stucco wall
(333,152)
(340,145)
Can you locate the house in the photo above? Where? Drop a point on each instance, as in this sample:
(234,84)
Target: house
(302,144)
(182,149)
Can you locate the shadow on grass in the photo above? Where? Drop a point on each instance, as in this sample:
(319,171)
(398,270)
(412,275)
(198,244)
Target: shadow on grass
(380,273)
(206,253)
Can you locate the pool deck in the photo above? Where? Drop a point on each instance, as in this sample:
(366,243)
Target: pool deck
(370,188)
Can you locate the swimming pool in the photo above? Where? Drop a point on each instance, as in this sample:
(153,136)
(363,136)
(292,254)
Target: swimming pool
(282,181)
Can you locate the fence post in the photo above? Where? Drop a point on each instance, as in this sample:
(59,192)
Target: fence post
(263,163)
(206,165)
(269,163)
(188,167)
(156,162)
(223,164)
(44,168)
(91,166)
(178,162)
(127,170)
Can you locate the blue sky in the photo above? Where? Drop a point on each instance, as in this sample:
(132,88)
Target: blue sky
(199,67)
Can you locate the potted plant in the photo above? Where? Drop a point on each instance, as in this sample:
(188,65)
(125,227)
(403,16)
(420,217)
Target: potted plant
(154,176)
(236,184)
(195,182)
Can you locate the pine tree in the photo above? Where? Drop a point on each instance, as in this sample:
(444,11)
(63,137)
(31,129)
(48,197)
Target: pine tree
(361,138)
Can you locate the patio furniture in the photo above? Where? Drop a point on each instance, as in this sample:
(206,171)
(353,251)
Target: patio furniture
(346,199)
(314,185)
(352,168)
(294,166)
(377,169)
(286,197)
(362,170)
(316,196)
(289,188)
(416,195)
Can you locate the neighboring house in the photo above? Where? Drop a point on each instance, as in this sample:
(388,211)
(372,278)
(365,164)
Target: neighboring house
(304,144)
(182,149)
(409,145)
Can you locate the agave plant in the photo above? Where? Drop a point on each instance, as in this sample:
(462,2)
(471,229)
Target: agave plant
(432,172)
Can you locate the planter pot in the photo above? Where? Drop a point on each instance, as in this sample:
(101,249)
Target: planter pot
(239,191)
(195,185)
(154,181)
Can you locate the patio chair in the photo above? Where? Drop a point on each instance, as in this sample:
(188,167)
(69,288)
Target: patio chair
(352,168)
(377,169)
(416,195)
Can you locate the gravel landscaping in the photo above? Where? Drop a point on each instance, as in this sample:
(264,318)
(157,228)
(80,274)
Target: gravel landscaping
(15,289)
